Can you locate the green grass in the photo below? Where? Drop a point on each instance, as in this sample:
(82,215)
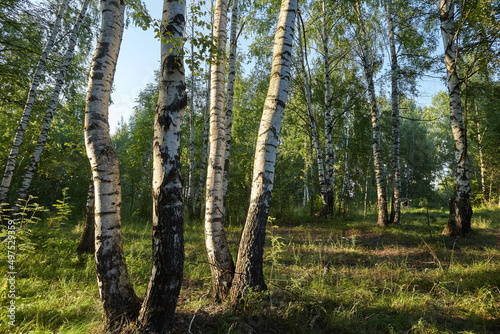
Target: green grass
(340,276)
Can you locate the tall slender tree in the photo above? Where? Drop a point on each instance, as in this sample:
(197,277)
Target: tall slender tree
(157,312)
(18,140)
(249,267)
(115,289)
(219,257)
(367,61)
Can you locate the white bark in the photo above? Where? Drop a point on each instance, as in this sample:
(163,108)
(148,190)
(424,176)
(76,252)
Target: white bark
(115,289)
(230,97)
(219,258)
(249,268)
(314,131)
(383,218)
(459,222)
(191,181)
(18,140)
(157,312)
(42,139)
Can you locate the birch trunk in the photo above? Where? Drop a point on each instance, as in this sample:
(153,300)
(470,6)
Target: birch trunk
(115,289)
(329,157)
(482,165)
(86,244)
(219,258)
(459,222)
(199,189)
(249,268)
(383,218)
(319,154)
(230,97)
(18,140)
(191,192)
(396,172)
(49,116)
(158,308)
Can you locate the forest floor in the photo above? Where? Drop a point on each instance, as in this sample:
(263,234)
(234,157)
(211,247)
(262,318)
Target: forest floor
(340,276)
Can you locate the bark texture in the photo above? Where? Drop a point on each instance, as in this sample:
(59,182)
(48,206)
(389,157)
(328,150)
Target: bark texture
(49,116)
(86,244)
(383,218)
(219,258)
(396,171)
(18,140)
(459,221)
(157,312)
(115,289)
(191,181)
(249,267)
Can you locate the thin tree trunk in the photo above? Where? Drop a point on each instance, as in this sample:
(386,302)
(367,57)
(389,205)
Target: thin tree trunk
(319,155)
(86,244)
(383,218)
(459,222)
(42,139)
(18,140)
(202,180)
(219,257)
(329,157)
(249,268)
(396,173)
(230,97)
(345,178)
(191,191)
(158,309)
(115,288)
(482,165)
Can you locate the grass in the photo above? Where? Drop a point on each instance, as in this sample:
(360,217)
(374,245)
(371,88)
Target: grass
(341,276)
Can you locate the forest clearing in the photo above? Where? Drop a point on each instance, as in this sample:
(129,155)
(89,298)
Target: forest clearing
(311,166)
(345,276)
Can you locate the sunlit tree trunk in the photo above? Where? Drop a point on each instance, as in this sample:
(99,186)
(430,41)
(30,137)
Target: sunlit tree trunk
(230,97)
(191,181)
(219,258)
(115,288)
(18,140)
(396,173)
(42,139)
(319,154)
(459,222)
(329,157)
(249,267)
(383,218)
(86,244)
(158,308)
(482,165)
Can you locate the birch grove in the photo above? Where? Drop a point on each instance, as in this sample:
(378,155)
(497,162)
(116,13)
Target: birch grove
(18,140)
(249,267)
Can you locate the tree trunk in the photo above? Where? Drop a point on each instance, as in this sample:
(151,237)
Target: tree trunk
(199,189)
(18,140)
(230,97)
(86,244)
(482,165)
(191,191)
(115,289)
(249,268)
(219,258)
(396,173)
(319,154)
(459,222)
(383,218)
(42,139)
(157,312)
(329,157)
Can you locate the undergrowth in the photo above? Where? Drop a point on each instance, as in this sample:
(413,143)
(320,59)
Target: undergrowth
(340,276)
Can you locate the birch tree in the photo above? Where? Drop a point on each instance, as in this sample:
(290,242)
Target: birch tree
(115,289)
(157,311)
(202,179)
(18,140)
(86,244)
(219,258)
(191,181)
(459,221)
(249,267)
(383,218)
(49,116)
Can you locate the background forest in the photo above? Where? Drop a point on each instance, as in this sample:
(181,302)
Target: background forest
(354,123)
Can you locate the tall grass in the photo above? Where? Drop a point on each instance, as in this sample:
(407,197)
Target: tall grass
(340,276)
